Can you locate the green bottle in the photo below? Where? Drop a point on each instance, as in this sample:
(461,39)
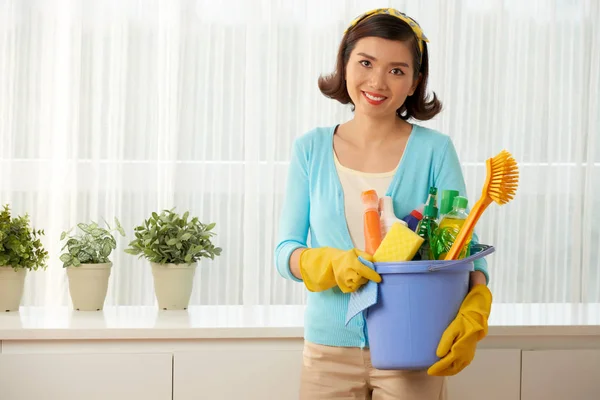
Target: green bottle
(428,225)
(447,201)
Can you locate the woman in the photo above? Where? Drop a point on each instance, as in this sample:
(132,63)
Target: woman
(382,70)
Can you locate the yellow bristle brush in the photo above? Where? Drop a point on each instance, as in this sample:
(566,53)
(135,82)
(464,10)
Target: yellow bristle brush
(500,186)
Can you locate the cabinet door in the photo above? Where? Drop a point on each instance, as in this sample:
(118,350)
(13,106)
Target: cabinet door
(244,373)
(492,375)
(561,374)
(86,376)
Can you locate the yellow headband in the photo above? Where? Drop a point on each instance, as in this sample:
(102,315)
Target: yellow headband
(393,12)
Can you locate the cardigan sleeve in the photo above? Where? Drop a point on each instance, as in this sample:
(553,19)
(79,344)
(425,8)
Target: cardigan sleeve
(294,218)
(449,176)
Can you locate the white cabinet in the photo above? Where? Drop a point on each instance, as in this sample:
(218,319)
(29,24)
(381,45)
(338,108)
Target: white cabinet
(270,368)
(252,373)
(561,374)
(85,376)
(492,375)
(258,373)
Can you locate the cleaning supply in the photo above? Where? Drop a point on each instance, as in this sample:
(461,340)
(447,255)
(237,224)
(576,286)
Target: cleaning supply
(447,202)
(400,244)
(428,225)
(412,219)
(448,230)
(372,226)
(387,217)
(409,311)
(500,186)
(324,267)
(459,341)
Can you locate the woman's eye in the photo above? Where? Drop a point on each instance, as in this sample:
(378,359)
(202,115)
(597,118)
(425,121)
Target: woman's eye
(397,71)
(365,63)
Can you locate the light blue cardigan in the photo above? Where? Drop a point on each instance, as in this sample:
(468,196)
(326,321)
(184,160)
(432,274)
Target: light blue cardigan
(314,201)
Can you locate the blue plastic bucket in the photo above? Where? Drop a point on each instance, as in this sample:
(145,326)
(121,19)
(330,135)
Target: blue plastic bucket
(417,300)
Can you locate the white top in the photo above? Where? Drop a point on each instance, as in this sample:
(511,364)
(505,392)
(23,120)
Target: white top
(353,184)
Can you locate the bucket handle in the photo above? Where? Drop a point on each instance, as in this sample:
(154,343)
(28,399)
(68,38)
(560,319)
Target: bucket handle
(484,251)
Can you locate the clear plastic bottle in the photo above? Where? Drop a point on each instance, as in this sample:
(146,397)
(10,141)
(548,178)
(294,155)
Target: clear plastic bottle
(448,230)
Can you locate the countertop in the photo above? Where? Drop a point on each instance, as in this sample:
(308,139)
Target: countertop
(204,322)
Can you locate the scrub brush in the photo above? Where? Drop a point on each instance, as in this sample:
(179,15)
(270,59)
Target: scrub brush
(500,186)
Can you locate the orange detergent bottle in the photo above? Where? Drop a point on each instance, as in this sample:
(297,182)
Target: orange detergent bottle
(372,225)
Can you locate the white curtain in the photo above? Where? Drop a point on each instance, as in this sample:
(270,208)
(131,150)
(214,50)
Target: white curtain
(124,107)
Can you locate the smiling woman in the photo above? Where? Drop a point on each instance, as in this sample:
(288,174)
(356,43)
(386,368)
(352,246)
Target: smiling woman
(380,49)
(382,70)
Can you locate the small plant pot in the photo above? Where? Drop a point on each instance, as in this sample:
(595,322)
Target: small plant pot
(11,288)
(173,284)
(88,284)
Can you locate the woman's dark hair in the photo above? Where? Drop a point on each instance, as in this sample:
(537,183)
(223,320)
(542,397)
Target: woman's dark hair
(417,106)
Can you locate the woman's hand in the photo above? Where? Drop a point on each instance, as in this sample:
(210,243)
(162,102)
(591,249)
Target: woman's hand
(325,267)
(459,341)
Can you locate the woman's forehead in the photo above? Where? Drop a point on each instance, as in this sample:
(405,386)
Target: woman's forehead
(384,49)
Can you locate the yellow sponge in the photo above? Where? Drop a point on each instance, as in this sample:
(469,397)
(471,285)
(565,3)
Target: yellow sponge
(400,244)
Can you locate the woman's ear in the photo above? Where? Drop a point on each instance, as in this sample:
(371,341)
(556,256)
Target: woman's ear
(415,84)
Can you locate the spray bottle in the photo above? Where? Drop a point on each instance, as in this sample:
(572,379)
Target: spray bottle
(387,216)
(428,225)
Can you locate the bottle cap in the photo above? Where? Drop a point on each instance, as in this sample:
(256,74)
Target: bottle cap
(417,214)
(460,202)
(370,199)
(447,202)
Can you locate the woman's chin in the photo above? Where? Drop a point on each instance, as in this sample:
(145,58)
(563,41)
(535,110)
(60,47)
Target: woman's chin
(375,112)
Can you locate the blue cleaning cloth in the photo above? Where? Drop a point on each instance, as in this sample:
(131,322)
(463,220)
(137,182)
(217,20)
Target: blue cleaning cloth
(364,297)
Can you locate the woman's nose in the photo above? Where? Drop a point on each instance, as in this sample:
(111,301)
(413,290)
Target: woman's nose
(377,79)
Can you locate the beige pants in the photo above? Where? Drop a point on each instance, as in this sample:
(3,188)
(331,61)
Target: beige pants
(347,373)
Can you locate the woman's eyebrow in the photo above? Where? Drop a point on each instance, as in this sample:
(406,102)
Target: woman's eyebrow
(400,63)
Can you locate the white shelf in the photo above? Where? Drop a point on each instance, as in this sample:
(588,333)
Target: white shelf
(206,322)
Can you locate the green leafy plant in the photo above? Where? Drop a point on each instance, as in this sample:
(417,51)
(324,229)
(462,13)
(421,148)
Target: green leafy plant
(93,246)
(169,238)
(20,245)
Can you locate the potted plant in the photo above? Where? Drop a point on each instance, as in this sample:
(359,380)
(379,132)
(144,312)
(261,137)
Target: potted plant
(88,264)
(173,244)
(20,250)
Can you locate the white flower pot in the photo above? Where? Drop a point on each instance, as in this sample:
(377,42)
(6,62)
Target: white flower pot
(173,284)
(88,284)
(11,288)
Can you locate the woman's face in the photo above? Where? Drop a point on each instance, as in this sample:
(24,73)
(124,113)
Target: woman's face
(379,76)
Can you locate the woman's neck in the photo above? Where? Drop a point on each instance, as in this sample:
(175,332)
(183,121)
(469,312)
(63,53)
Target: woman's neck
(370,132)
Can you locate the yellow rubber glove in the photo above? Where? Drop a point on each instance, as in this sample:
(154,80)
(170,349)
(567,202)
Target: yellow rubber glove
(459,341)
(324,267)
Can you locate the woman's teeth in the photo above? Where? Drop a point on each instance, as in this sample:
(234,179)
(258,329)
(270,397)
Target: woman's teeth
(374,97)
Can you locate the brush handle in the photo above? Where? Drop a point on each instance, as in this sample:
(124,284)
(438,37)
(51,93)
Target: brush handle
(468,226)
